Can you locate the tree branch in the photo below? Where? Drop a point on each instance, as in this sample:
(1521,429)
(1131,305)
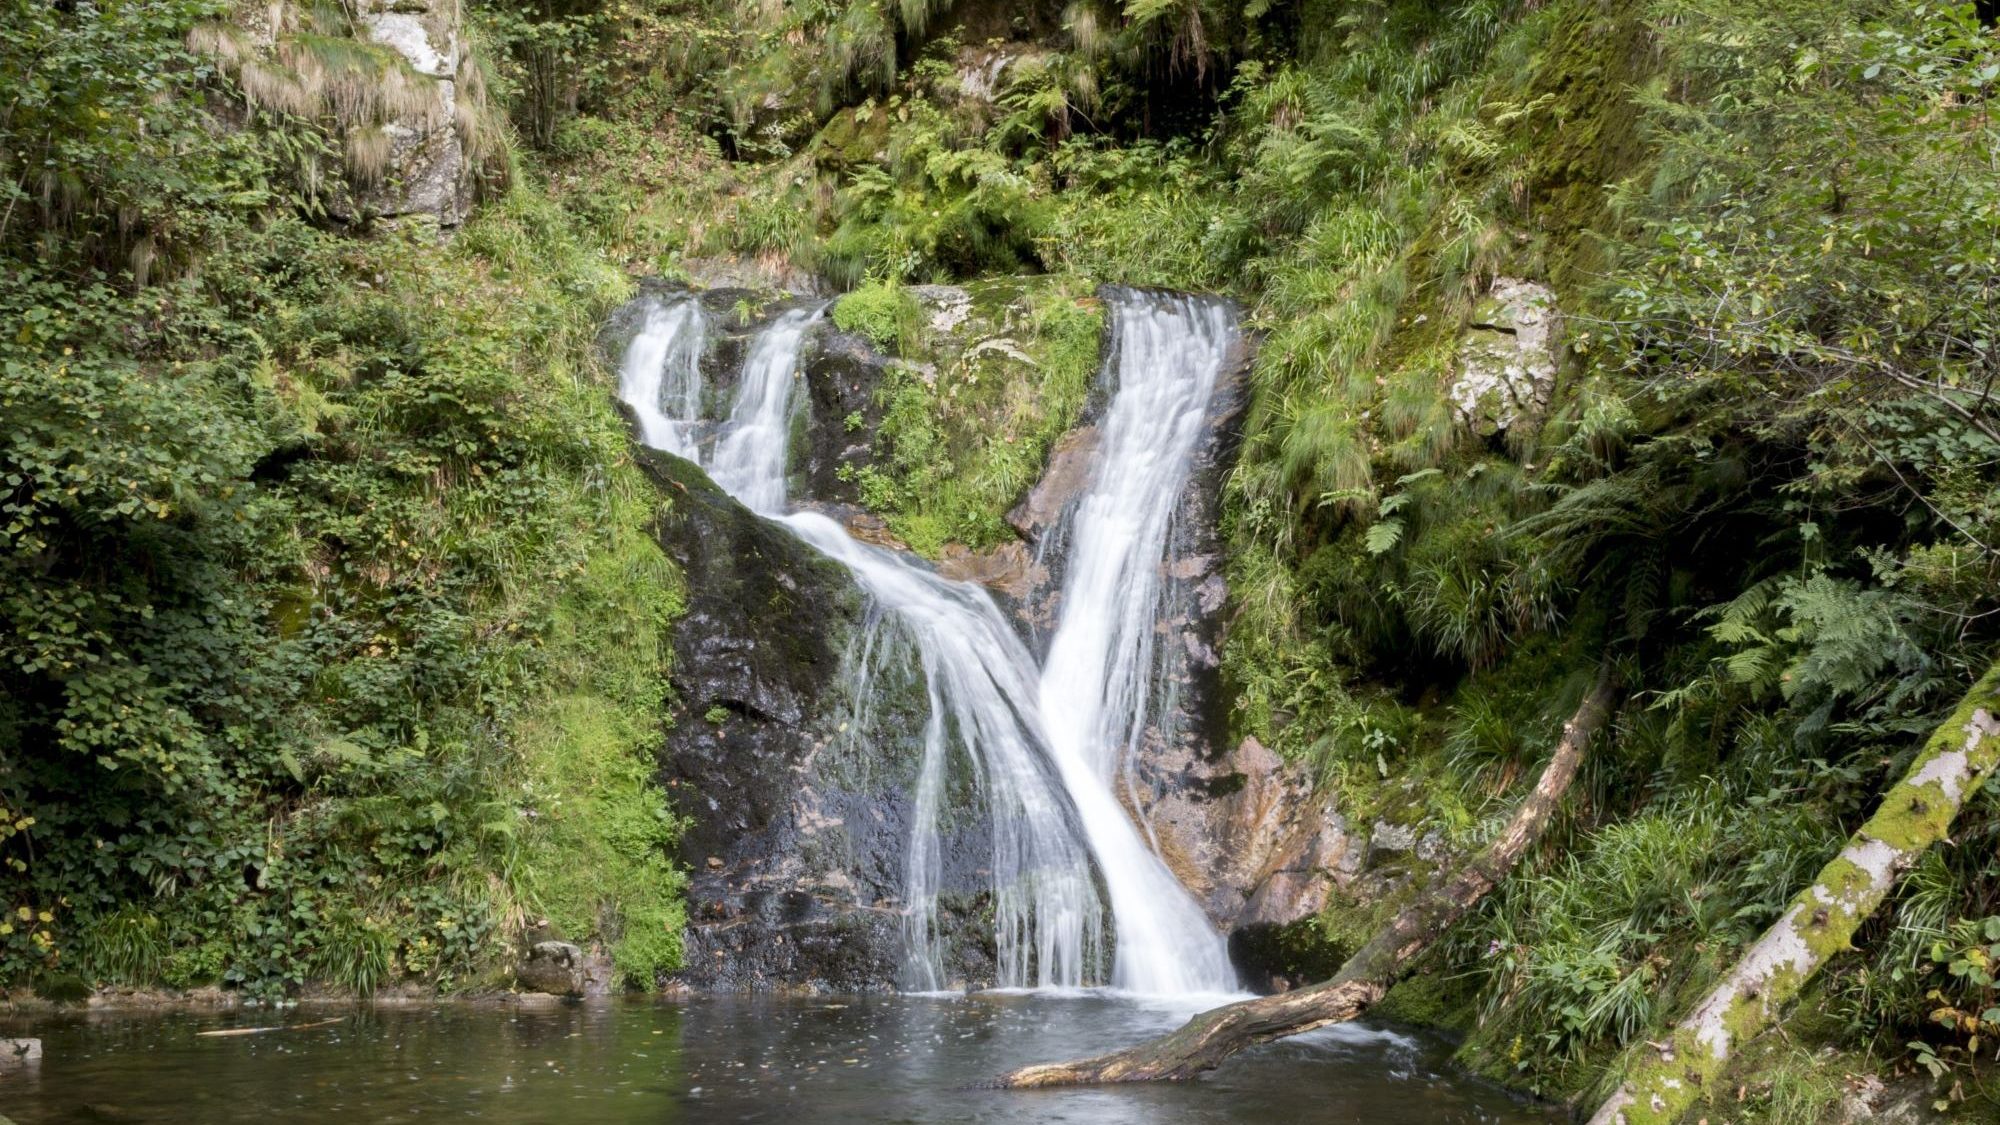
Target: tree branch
(1663,1079)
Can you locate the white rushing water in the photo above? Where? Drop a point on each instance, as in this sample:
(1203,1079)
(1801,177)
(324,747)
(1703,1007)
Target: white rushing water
(980,679)
(1095,684)
(752,449)
(661,374)
(1048,924)
(1040,743)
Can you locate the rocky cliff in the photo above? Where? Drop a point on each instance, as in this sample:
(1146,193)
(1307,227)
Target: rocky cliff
(799,788)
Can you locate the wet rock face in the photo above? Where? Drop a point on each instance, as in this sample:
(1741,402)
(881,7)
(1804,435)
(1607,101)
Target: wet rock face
(799,806)
(757,686)
(842,371)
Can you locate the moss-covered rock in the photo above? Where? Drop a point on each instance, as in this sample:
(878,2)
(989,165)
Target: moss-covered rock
(852,137)
(986,377)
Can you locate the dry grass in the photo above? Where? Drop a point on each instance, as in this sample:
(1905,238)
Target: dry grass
(317,70)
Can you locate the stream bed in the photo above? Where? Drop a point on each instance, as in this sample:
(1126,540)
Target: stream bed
(890,1059)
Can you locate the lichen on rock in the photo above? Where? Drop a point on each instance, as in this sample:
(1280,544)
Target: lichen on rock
(1506,368)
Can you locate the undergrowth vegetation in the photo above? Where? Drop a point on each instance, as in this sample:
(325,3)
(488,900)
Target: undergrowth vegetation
(970,413)
(1763,483)
(331,637)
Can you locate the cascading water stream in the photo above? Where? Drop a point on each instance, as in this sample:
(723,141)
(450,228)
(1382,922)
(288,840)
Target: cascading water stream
(661,374)
(750,452)
(980,678)
(1094,687)
(1072,725)
(981,683)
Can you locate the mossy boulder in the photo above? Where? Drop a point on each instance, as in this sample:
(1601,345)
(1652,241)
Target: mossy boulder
(853,137)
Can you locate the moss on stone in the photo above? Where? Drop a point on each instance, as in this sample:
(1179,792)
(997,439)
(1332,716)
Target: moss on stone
(992,375)
(851,138)
(1439,1000)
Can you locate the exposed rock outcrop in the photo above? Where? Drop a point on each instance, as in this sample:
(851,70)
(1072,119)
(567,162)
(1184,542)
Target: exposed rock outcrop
(763,273)
(1506,367)
(554,967)
(756,676)
(393,80)
(428,172)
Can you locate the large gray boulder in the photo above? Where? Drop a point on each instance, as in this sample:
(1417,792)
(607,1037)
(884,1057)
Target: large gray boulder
(427,171)
(1506,367)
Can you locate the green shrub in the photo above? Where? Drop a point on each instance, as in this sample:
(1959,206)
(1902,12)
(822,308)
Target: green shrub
(126,947)
(192,966)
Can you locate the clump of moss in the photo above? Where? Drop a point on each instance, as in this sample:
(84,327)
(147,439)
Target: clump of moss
(883,312)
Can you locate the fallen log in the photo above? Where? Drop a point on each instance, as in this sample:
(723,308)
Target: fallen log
(1662,1080)
(1209,1038)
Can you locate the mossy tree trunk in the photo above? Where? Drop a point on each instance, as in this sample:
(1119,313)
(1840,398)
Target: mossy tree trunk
(1663,1079)
(1209,1038)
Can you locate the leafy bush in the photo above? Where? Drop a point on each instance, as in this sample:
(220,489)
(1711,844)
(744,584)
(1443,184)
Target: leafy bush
(286,521)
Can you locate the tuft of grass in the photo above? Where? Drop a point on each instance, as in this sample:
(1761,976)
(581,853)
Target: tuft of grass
(126,947)
(355,951)
(885,313)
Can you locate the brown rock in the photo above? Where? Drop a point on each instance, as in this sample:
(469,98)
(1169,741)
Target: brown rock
(1007,569)
(1067,476)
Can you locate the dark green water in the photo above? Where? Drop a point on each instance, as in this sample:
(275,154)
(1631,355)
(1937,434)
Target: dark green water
(796,1062)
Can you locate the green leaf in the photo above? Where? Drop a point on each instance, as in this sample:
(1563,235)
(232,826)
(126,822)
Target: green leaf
(1383,536)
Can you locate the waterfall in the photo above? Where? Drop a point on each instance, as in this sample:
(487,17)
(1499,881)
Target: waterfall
(981,682)
(751,451)
(1095,684)
(660,376)
(1048,925)
(1042,744)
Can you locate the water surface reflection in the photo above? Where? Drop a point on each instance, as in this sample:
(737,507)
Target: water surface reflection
(823,1062)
